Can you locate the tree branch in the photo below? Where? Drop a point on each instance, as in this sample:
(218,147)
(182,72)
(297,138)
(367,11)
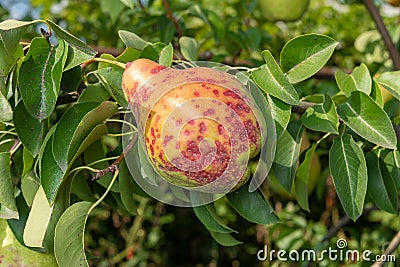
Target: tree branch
(343,222)
(142,7)
(374,12)
(114,166)
(171,16)
(389,250)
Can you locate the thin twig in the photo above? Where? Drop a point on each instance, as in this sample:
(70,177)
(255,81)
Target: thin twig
(389,250)
(301,108)
(374,12)
(114,166)
(104,60)
(344,221)
(15,147)
(67,98)
(173,19)
(142,7)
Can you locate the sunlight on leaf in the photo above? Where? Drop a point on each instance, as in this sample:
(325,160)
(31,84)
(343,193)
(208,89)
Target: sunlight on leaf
(349,173)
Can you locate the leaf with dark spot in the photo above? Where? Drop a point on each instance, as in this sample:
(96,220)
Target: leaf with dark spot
(40,76)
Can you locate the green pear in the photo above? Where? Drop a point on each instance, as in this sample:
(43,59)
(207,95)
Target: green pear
(13,254)
(283,10)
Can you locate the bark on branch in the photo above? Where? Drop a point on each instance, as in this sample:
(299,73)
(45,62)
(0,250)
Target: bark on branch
(380,25)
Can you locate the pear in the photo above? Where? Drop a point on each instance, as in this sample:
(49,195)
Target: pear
(192,131)
(283,10)
(13,254)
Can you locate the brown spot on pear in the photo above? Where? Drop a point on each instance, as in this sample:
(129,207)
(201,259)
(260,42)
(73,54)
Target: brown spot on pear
(199,85)
(137,73)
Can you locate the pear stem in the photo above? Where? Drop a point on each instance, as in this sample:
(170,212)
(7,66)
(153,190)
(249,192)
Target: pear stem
(104,60)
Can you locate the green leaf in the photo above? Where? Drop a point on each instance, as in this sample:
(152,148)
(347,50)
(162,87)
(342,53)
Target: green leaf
(29,129)
(69,235)
(7,62)
(146,167)
(217,25)
(75,125)
(28,161)
(40,77)
(322,117)
(71,79)
(112,8)
(127,188)
(270,78)
(381,186)
(305,55)
(189,48)
(166,55)
(349,173)
(212,20)
(89,122)
(78,51)
(50,173)
(128,3)
(391,81)
(206,214)
(18,225)
(152,51)
(12,81)
(52,176)
(166,29)
(376,94)
(11,32)
(94,153)
(358,80)
(287,155)
(70,230)
(314,98)
(129,54)
(6,112)
(252,206)
(131,40)
(29,186)
(38,220)
(368,120)
(111,79)
(392,161)
(12,24)
(60,204)
(302,178)
(126,175)
(65,132)
(97,132)
(106,64)
(80,187)
(94,93)
(280,112)
(6,186)
(225,239)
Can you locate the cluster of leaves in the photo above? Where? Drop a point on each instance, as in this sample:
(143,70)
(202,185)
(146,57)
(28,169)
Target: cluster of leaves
(227,30)
(50,150)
